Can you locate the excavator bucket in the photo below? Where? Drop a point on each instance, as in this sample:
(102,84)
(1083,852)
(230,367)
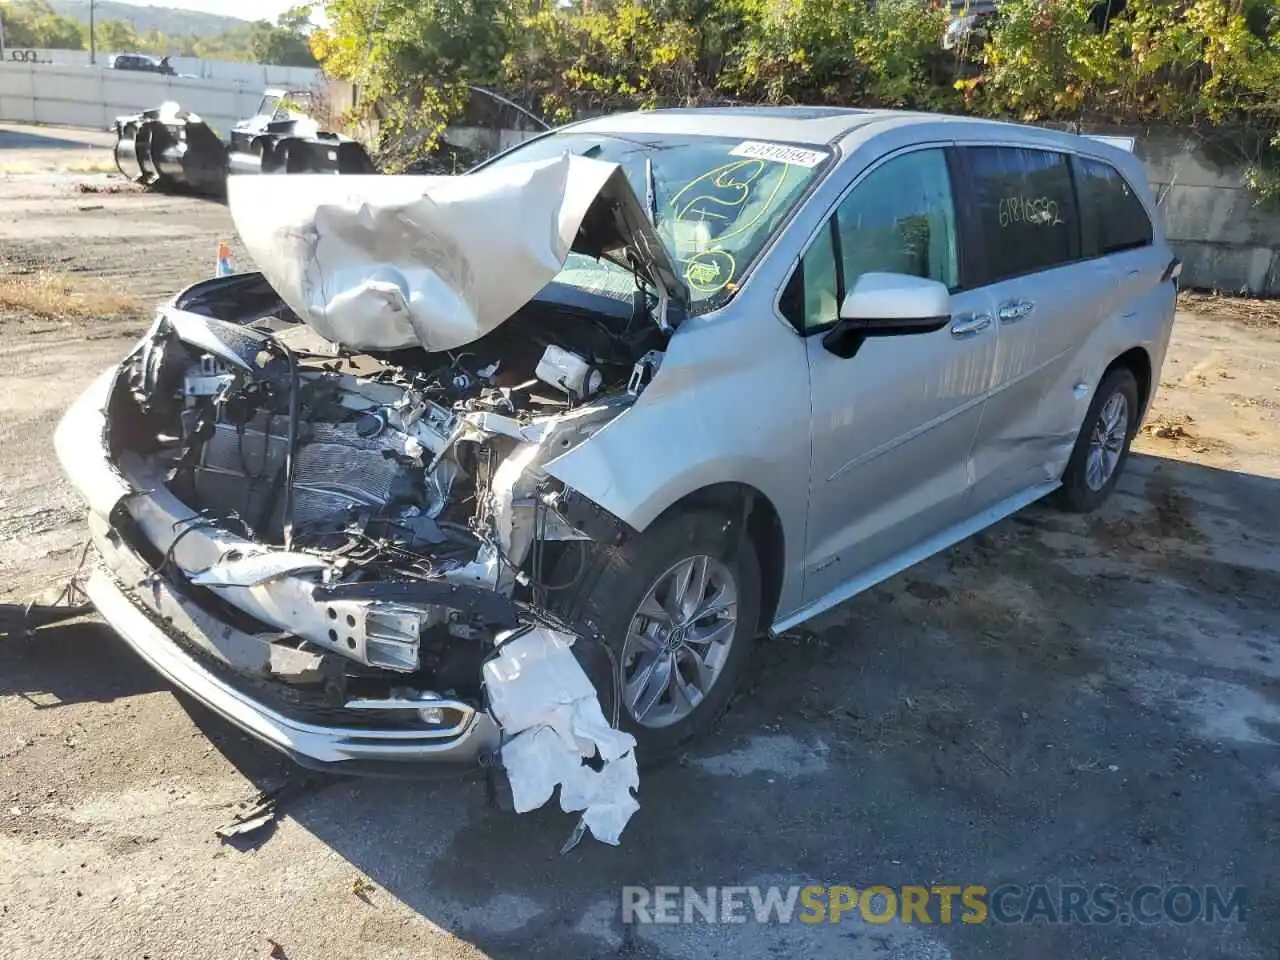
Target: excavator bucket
(321,153)
(296,146)
(126,149)
(171,149)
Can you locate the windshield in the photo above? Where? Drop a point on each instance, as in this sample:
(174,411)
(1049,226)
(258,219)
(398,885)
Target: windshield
(718,201)
(267,105)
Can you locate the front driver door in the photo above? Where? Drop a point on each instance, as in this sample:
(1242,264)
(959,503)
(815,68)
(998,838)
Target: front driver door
(894,425)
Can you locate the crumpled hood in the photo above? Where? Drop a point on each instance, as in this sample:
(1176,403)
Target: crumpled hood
(389,262)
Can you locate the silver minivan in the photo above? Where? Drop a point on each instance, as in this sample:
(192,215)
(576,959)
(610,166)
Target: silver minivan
(663,382)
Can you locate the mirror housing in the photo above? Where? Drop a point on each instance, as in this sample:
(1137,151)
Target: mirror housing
(888,305)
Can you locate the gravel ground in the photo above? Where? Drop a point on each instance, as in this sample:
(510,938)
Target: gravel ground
(1058,700)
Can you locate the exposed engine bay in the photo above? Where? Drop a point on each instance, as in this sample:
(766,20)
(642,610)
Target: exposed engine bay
(327,499)
(324,497)
(410,467)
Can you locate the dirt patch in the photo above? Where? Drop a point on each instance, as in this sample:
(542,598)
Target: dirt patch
(1181,430)
(1241,400)
(923,590)
(86,165)
(54,296)
(109,188)
(148,245)
(1257,314)
(1171,516)
(1168,522)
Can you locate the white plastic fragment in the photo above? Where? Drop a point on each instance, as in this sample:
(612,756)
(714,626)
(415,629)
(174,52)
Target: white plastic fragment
(256,568)
(552,721)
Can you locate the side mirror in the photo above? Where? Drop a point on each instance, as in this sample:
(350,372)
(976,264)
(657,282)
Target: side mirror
(888,305)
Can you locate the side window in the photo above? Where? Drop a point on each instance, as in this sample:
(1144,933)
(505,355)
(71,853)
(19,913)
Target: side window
(1111,215)
(1023,211)
(898,219)
(811,299)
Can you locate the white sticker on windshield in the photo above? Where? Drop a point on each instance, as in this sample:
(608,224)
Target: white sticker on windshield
(778,152)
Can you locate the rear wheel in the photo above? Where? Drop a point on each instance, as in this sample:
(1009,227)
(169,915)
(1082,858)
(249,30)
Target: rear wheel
(1103,443)
(677,609)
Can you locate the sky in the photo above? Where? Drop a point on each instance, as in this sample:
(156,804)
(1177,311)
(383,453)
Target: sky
(244,9)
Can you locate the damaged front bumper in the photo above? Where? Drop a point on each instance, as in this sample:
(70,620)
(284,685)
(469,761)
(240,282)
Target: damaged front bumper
(136,616)
(232,671)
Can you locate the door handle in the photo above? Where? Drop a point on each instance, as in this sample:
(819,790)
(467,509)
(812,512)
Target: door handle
(970,325)
(1016,310)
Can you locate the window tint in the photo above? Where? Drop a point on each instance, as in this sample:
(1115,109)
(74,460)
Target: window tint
(1111,215)
(898,219)
(1024,211)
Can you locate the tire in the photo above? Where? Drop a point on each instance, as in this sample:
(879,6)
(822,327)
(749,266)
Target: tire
(1084,486)
(609,602)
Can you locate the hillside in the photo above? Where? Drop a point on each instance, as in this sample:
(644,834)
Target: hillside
(168,20)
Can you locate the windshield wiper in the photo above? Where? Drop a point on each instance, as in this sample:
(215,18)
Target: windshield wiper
(650,191)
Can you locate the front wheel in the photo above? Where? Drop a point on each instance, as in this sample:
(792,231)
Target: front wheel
(677,609)
(1103,443)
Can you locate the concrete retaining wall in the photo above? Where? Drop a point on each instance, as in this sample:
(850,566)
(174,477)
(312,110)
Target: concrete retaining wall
(253,74)
(486,141)
(1225,241)
(85,96)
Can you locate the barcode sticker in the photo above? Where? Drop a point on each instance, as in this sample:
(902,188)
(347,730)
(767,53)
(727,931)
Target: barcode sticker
(779,153)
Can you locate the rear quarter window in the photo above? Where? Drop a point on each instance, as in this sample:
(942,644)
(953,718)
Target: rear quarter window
(1022,211)
(1112,217)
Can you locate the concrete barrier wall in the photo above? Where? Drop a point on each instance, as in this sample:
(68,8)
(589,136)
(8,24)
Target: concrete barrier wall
(84,96)
(253,74)
(486,140)
(1225,240)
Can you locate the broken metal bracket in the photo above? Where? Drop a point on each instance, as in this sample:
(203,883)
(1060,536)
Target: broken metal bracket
(493,608)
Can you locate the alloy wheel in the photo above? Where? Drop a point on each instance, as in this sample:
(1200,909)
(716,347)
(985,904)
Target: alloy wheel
(678,640)
(1106,442)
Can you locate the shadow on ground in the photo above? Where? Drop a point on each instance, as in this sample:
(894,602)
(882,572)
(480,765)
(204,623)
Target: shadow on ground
(25,140)
(66,663)
(1026,708)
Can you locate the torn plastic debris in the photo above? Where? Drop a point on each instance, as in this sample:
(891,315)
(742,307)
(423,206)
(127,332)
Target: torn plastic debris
(552,722)
(256,568)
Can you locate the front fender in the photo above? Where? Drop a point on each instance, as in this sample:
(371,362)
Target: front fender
(730,404)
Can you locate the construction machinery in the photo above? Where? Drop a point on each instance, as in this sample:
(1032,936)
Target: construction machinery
(173,149)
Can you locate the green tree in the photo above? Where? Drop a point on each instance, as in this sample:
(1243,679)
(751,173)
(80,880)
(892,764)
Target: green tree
(115,36)
(33,23)
(412,60)
(235,44)
(287,43)
(800,51)
(1207,62)
(1174,60)
(621,53)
